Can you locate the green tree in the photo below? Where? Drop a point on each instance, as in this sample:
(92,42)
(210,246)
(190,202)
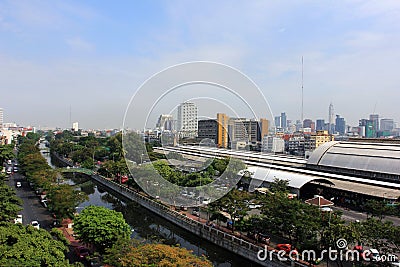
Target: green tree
(279,186)
(292,218)
(25,246)
(129,254)
(6,153)
(101,227)
(10,204)
(236,205)
(63,199)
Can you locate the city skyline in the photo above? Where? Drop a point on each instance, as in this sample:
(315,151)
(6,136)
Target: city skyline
(92,56)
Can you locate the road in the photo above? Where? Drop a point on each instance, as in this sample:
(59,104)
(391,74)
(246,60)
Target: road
(32,209)
(352,216)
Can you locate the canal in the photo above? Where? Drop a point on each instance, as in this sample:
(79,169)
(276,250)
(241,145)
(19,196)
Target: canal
(147,226)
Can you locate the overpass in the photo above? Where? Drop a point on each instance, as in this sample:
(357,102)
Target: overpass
(76,170)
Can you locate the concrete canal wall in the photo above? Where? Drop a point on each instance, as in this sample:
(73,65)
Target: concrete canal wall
(220,238)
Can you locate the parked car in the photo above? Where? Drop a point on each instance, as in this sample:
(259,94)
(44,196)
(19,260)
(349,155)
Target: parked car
(44,203)
(35,224)
(82,252)
(287,248)
(196,212)
(18,184)
(18,219)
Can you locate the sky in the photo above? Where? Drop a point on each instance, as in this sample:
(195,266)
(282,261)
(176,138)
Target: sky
(63,61)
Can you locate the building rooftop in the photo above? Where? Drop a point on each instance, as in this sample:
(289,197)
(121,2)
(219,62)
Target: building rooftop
(382,158)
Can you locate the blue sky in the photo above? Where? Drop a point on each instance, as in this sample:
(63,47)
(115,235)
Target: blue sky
(93,55)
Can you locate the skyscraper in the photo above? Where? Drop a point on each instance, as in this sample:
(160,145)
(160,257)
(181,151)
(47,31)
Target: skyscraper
(187,119)
(283,120)
(331,119)
(320,125)
(278,122)
(222,132)
(375,121)
(340,126)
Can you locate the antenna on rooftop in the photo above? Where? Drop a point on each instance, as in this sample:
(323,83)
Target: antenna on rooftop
(70,115)
(302,92)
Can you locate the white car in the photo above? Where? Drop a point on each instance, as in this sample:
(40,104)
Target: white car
(19,184)
(18,219)
(35,224)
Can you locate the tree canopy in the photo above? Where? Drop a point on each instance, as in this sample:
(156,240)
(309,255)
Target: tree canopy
(128,254)
(26,246)
(101,227)
(10,204)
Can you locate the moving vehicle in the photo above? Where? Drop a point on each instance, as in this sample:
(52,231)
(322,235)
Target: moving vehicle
(35,224)
(82,252)
(18,184)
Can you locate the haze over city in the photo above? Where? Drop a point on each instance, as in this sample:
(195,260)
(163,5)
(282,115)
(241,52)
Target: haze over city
(90,57)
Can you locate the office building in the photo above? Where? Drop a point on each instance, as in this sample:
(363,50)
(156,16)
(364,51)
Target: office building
(331,128)
(283,120)
(208,129)
(320,125)
(387,125)
(375,121)
(187,120)
(222,131)
(278,122)
(340,125)
(264,125)
(273,144)
(307,123)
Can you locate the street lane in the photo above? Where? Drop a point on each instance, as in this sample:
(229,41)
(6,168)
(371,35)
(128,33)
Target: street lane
(32,208)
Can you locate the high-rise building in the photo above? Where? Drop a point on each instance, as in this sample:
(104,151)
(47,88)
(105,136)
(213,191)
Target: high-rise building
(75,126)
(1,118)
(375,121)
(283,120)
(307,123)
(278,122)
(331,119)
(187,120)
(222,132)
(340,125)
(244,130)
(165,122)
(320,125)
(208,129)
(264,126)
(387,125)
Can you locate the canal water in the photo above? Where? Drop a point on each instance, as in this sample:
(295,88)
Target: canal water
(147,226)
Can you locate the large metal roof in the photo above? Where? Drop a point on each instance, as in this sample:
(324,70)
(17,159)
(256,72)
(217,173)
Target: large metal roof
(296,180)
(371,157)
